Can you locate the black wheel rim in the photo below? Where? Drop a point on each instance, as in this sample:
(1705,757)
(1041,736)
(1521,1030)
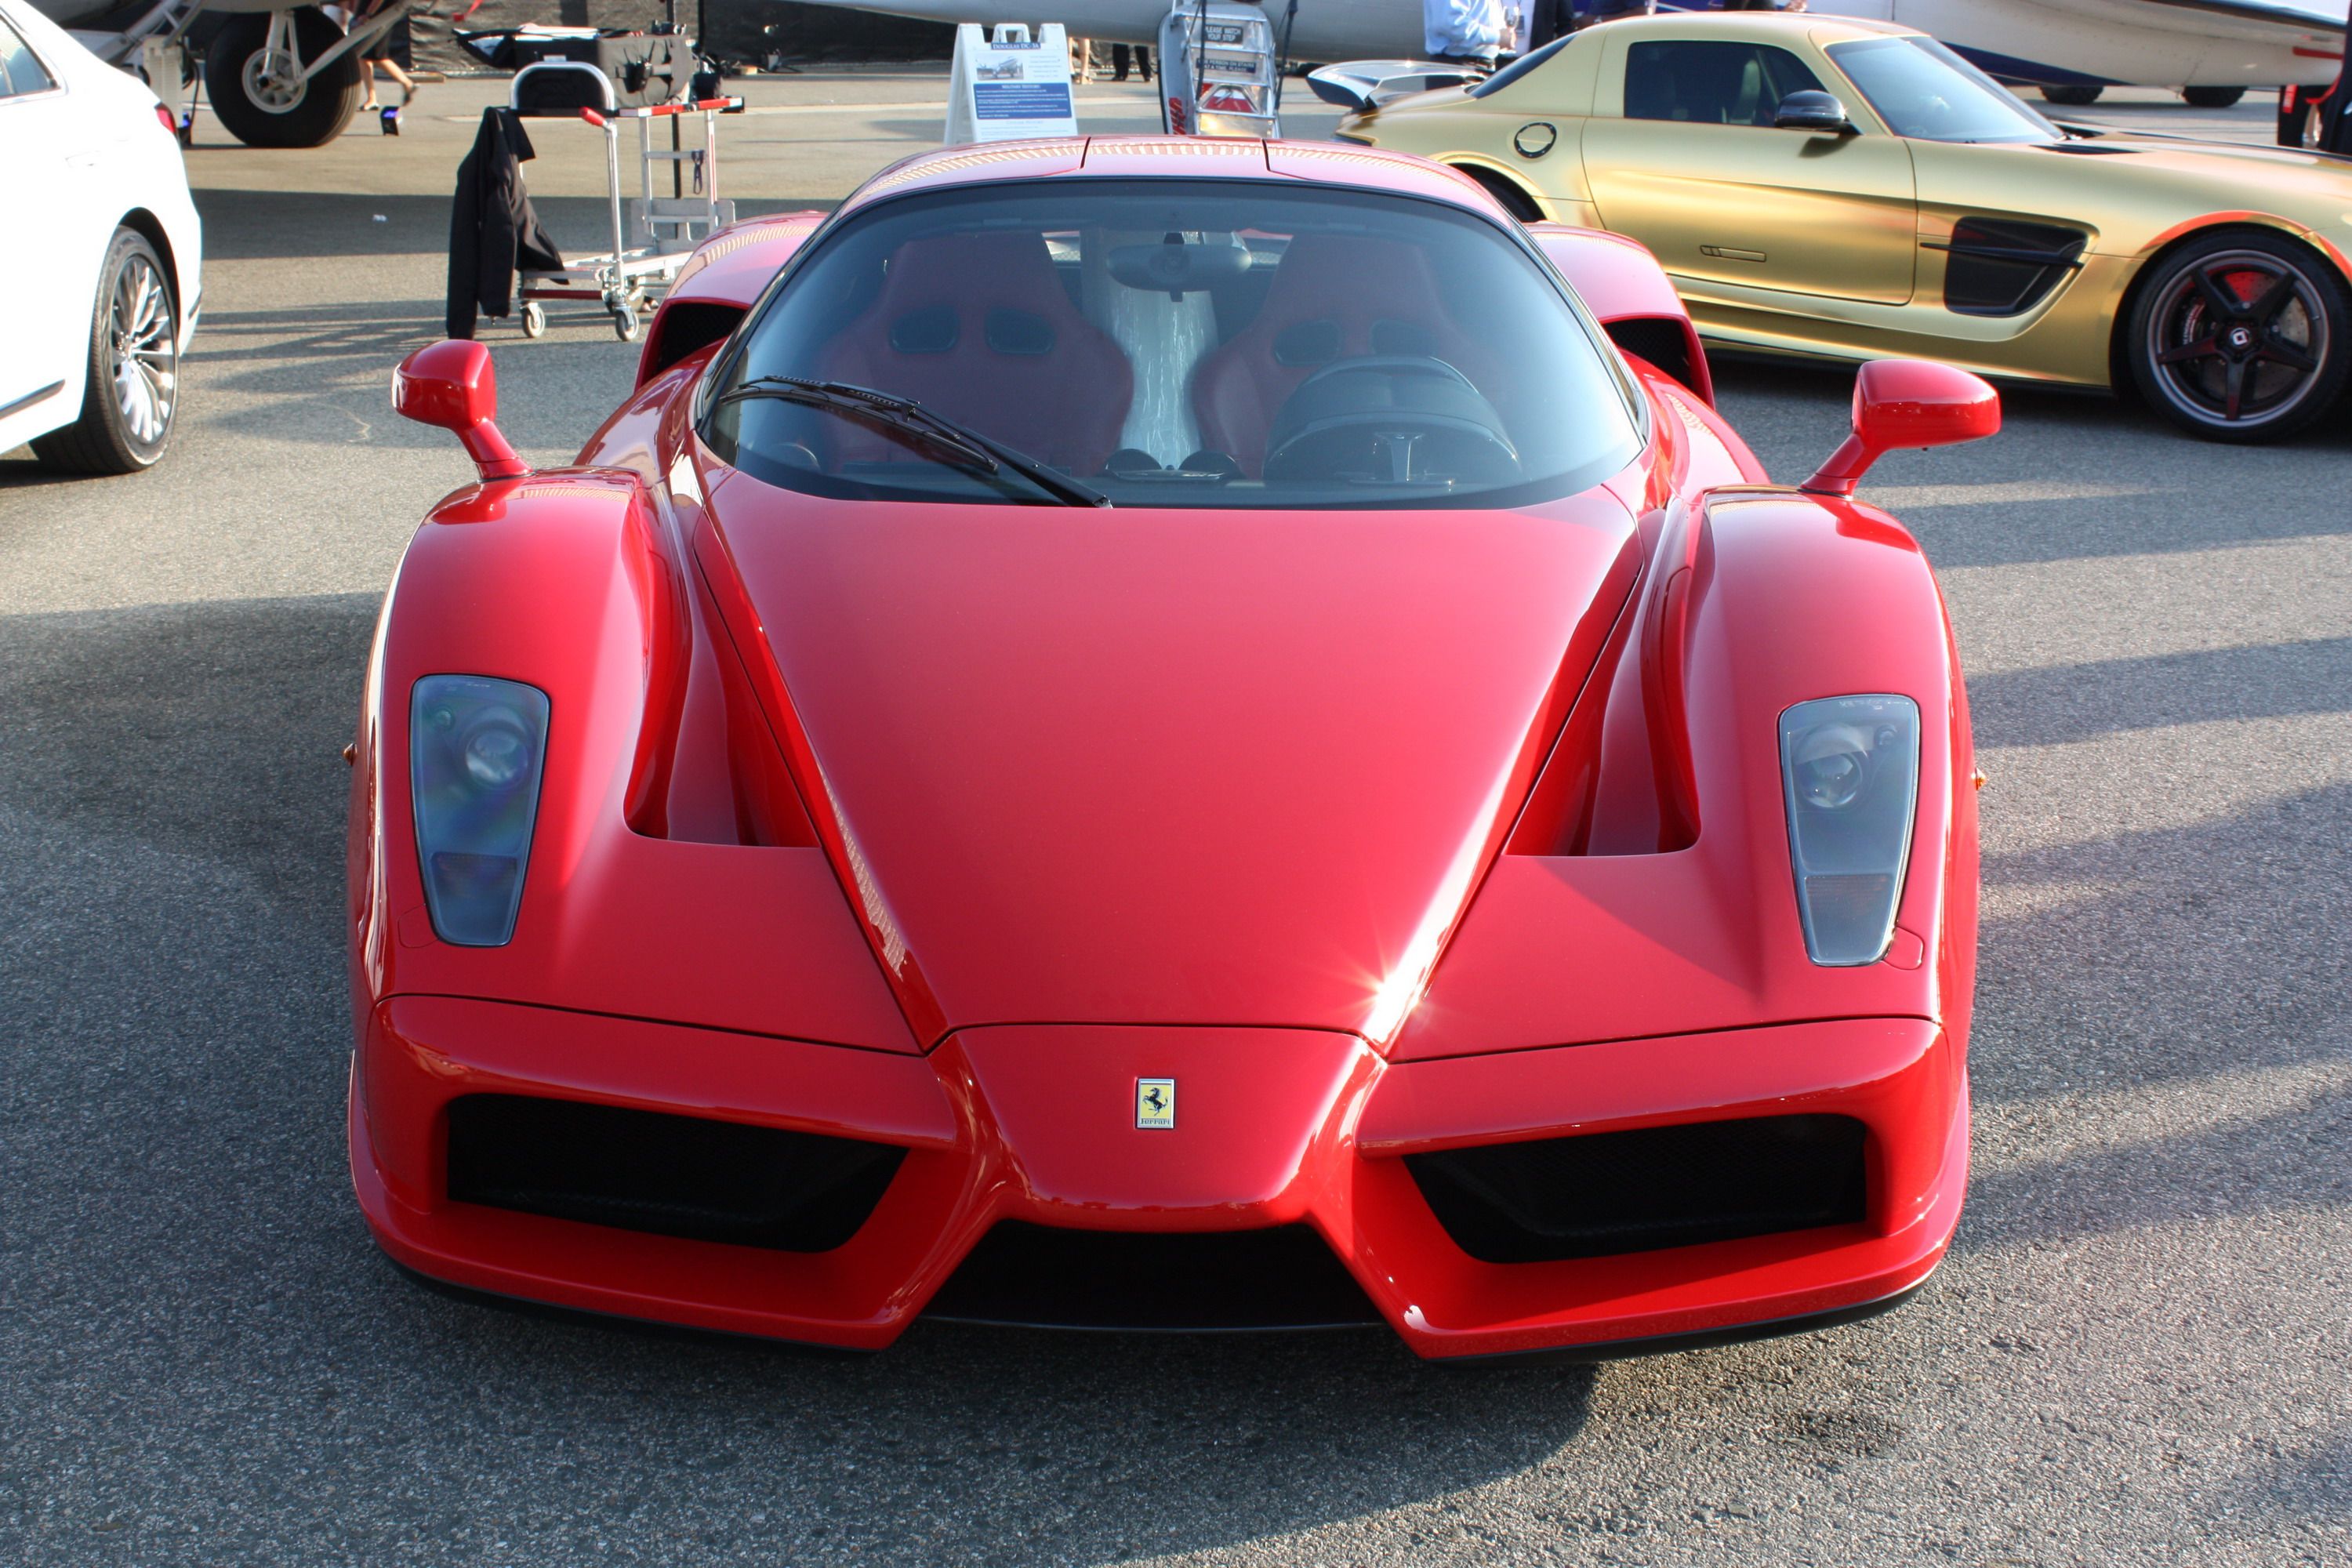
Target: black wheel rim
(2237,337)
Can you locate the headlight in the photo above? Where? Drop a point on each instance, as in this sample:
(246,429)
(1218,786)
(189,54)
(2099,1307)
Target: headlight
(476,745)
(1850,769)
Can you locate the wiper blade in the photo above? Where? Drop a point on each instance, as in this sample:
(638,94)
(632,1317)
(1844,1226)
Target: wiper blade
(982,452)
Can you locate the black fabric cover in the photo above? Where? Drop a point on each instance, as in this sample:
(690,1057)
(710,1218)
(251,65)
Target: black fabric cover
(492,229)
(2336,116)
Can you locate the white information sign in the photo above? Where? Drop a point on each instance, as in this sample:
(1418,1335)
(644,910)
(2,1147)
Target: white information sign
(1012,83)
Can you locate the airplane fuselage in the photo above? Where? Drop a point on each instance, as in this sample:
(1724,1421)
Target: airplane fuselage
(2146,43)
(2150,43)
(1325,30)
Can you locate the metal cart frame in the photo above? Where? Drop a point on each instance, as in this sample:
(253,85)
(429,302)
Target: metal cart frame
(652,242)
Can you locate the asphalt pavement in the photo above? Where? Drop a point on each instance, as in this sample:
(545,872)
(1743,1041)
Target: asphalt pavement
(2137,1352)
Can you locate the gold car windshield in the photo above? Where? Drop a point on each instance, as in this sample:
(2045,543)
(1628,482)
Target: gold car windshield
(1174,343)
(1925,92)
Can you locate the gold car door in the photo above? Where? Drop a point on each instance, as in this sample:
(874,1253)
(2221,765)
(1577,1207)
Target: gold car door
(1681,153)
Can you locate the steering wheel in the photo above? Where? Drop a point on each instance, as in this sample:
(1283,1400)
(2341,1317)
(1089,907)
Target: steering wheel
(1390,419)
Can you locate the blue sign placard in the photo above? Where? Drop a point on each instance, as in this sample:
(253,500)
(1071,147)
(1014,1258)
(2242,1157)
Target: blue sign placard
(1021,101)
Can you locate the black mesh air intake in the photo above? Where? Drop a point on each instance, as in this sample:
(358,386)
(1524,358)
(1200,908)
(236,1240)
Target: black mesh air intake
(1048,1278)
(1608,1192)
(1658,339)
(1998,267)
(686,325)
(672,1176)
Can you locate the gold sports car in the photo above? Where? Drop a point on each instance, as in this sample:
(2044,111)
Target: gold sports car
(1853,190)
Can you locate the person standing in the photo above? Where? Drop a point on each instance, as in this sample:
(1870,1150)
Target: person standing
(1122,55)
(1592,12)
(1547,20)
(1464,32)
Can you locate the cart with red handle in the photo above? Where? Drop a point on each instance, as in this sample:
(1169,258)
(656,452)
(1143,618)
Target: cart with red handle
(652,239)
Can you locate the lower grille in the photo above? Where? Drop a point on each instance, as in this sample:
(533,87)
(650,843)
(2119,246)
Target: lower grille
(1043,1277)
(670,1175)
(1608,1192)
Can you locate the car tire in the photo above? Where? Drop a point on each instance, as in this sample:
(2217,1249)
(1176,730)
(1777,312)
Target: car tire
(2073,94)
(132,392)
(1514,200)
(2241,336)
(261,109)
(2211,97)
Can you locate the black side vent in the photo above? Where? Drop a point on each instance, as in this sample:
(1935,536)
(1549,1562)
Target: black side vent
(1608,1192)
(1042,1277)
(2001,267)
(1658,339)
(672,1176)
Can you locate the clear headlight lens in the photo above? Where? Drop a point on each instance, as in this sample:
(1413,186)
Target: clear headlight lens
(476,747)
(1850,768)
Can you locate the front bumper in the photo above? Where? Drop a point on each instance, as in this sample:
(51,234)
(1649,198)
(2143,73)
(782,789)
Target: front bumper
(1276,1128)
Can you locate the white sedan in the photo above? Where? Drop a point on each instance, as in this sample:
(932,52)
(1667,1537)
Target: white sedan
(100,255)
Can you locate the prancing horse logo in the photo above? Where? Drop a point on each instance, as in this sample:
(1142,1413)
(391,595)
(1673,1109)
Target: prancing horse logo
(1155,1102)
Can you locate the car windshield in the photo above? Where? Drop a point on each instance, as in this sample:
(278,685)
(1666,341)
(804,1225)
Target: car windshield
(1177,344)
(1925,92)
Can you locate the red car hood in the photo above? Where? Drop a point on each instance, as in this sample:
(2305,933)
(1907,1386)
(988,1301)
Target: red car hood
(1167,767)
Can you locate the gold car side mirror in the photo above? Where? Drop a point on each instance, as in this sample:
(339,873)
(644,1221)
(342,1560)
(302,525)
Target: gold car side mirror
(1813,110)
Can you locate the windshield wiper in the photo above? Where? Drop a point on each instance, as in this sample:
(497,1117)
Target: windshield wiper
(978,451)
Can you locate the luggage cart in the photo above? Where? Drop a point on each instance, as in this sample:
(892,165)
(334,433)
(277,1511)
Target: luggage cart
(651,243)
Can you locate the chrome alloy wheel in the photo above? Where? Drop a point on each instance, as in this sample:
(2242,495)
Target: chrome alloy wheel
(142,351)
(2238,338)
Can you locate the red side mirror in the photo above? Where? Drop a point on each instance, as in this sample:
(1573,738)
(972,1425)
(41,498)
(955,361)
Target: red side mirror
(1908,403)
(453,385)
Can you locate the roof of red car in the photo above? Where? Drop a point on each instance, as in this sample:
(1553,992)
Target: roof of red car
(1186,157)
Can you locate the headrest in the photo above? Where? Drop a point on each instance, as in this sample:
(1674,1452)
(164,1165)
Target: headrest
(1004,270)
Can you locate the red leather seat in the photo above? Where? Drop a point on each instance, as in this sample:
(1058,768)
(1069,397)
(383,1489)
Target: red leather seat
(1330,298)
(979,328)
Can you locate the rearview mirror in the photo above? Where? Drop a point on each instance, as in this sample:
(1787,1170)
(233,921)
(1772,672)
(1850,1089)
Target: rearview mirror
(1811,109)
(452,384)
(1175,268)
(1908,403)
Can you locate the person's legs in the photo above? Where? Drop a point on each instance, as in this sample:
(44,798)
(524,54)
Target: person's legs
(391,67)
(1143,60)
(1120,61)
(367,79)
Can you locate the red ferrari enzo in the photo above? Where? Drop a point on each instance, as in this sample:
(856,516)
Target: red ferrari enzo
(1168,734)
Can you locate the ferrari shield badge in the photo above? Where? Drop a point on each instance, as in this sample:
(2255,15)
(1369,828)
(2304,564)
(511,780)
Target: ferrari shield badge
(1155,1102)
